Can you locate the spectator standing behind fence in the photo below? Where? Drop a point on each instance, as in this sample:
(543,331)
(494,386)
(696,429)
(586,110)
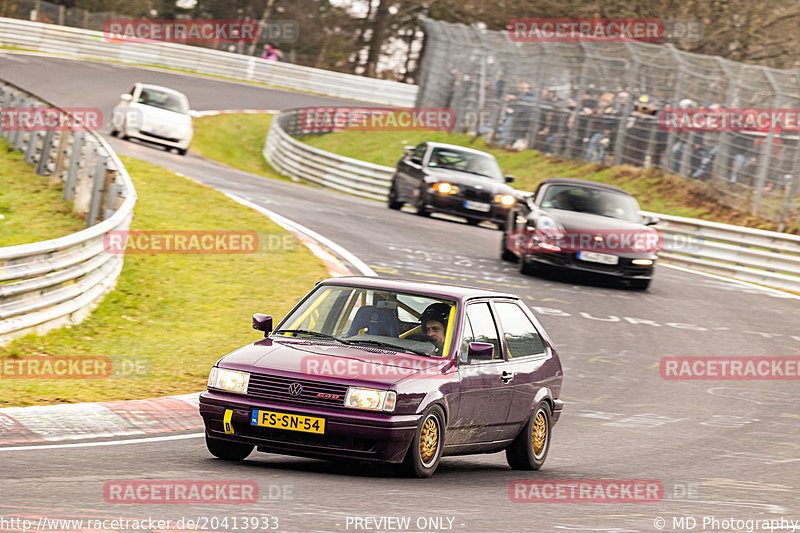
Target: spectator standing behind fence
(270,53)
(517,114)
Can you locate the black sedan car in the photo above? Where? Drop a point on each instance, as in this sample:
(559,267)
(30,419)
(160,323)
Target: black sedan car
(445,178)
(582,225)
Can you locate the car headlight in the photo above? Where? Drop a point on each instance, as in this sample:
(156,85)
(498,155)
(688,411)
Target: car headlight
(229,380)
(643,262)
(374,399)
(505,199)
(445,188)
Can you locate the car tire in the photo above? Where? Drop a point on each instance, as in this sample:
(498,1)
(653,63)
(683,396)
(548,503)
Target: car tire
(420,204)
(182,151)
(639,284)
(229,451)
(529,450)
(425,451)
(114,133)
(505,253)
(473,221)
(391,200)
(526,267)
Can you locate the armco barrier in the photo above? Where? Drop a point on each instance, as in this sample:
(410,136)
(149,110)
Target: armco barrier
(301,161)
(91,44)
(44,285)
(765,257)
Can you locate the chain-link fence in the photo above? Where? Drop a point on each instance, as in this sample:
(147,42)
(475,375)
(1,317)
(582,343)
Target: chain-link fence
(601,101)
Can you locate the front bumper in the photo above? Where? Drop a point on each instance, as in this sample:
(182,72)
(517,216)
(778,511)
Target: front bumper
(349,433)
(569,260)
(453,204)
(172,142)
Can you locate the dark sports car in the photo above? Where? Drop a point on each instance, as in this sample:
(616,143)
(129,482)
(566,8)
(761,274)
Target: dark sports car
(445,178)
(582,225)
(390,371)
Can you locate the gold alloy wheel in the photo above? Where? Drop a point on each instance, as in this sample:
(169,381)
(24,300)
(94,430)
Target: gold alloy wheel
(539,433)
(428,440)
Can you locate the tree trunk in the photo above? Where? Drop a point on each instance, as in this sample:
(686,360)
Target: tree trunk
(376,39)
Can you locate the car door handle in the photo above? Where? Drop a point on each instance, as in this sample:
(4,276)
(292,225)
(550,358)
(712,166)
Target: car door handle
(507,376)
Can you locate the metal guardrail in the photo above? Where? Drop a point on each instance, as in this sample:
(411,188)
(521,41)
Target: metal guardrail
(89,44)
(48,284)
(303,162)
(765,257)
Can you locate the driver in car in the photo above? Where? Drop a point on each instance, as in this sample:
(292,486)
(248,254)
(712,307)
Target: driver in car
(434,324)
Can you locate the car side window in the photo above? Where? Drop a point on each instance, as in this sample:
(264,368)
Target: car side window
(419,151)
(521,336)
(483,327)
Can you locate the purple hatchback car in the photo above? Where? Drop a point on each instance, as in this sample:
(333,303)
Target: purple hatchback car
(391,371)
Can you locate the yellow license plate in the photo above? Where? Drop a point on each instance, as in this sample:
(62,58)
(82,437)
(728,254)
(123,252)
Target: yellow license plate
(272,419)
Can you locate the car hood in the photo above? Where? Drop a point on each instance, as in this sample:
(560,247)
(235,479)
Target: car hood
(457,177)
(162,117)
(329,362)
(576,221)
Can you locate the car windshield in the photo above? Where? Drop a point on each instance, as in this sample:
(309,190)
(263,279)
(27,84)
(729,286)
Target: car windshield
(378,318)
(591,200)
(164,100)
(480,164)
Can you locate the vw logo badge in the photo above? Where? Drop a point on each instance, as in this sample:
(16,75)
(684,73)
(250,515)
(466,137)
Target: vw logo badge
(295,389)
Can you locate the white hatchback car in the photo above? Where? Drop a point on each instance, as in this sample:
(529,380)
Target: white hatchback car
(155,114)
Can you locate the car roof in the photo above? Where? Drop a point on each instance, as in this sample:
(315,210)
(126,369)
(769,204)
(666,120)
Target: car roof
(159,88)
(583,183)
(456,147)
(447,290)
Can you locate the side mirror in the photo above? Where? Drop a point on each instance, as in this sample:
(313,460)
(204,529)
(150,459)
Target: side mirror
(262,322)
(126,97)
(479,351)
(509,178)
(650,221)
(408,149)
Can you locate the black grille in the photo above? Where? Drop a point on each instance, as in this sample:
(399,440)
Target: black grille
(474,194)
(313,392)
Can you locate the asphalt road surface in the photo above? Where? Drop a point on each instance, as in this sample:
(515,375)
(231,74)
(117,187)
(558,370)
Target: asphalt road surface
(724,451)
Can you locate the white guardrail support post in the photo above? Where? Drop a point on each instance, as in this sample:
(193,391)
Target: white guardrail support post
(765,257)
(48,284)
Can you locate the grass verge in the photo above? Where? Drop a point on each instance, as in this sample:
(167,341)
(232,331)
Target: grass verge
(31,211)
(655,191)
(172,315)
(236,140)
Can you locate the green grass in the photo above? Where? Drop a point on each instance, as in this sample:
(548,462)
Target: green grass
(654,190)
(236,140)
(177,313)
(31,210)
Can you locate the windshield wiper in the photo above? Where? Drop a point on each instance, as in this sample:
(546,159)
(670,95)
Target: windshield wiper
(312,333)
(387,345)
